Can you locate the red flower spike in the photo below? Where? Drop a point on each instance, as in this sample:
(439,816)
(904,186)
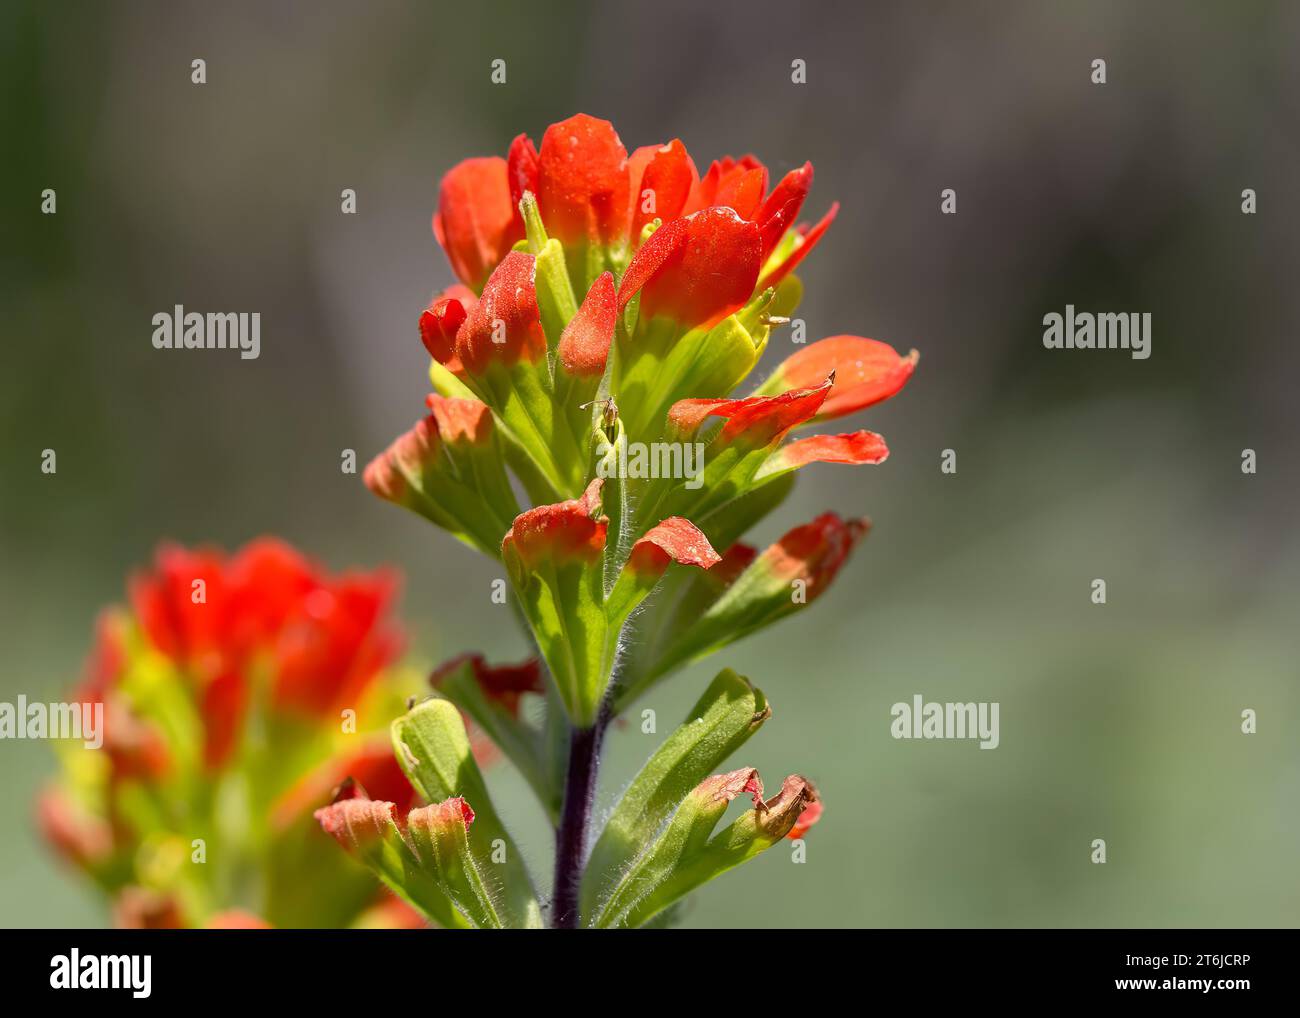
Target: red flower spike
(440,321)
(582,182)
(568,530)
(664,172)
(792,260)
(503,683)
(505,325)
(584,345)
(522,168)
(476,222)
(812,812)
(695,270)
(673,540)
(867,372)
(460,420)
(815,551)
(856,448)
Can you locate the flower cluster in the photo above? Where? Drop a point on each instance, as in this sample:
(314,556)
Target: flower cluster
(238,692)
(610,300)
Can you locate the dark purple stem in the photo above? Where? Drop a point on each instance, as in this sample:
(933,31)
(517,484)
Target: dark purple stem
(575,818)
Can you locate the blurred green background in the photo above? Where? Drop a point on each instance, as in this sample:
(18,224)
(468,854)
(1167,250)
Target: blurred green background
(1119,722)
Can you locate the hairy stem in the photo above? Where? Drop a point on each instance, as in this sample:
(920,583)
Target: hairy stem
(575,819)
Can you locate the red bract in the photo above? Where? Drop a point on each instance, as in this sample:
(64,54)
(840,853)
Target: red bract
(809,237)
(673,540)
(662,177)
(460,420)
(441,320)
(567,531)
(856,448)
(505,324)
(582,182)
(867,372)
(759,420)
(696,270)
(476,222)
(591,192)
(814,552)
(504,684)
(585,341)
(522,168)
(738,184)
(182,606)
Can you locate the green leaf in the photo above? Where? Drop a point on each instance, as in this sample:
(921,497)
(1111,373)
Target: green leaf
(729,712)
(685,857)
(434,751)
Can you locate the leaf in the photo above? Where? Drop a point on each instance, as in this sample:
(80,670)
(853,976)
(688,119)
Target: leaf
(728,713)
(685,857)
(434,751)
